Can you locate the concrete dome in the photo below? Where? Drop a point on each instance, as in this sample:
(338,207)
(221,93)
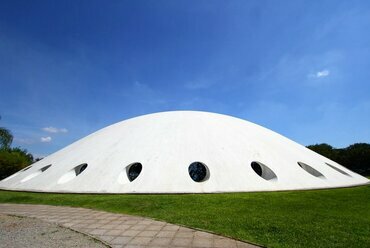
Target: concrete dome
(182,152)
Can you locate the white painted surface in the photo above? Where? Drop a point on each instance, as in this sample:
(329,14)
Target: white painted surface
(166,144)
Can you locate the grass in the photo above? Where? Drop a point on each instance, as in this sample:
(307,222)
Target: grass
(317,218)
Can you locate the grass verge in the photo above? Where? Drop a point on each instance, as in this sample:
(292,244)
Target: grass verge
(318,218)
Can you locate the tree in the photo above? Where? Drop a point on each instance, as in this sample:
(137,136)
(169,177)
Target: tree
(323,149)
(355,157)
(11,159)
(6,137)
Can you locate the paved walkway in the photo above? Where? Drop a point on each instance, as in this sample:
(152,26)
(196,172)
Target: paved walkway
(25,232)
(118,230)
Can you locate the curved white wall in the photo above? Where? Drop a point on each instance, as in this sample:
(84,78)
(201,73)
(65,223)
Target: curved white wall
(167,143)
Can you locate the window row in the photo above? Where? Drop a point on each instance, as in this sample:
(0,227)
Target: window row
(198,171)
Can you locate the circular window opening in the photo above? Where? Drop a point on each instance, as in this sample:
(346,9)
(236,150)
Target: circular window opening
(337,169)
(15,174)
(133,171)
(28,167)
(35,174)
(43,168)
(198,172)
(72,173)
(10,177)
(310,170)
(263,171)
(79,169)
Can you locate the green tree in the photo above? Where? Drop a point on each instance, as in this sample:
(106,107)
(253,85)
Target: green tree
(13,160)
(6,137)
(355,157)
(323,149)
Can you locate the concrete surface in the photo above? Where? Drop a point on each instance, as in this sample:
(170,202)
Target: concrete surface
(119,230)
(167,143)
(24,232)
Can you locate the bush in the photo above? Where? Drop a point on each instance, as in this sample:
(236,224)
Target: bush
(355,157)
(13,160)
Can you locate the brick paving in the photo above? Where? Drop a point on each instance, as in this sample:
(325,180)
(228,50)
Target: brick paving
(119,230)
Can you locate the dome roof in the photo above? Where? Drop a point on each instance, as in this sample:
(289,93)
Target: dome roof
(182,152)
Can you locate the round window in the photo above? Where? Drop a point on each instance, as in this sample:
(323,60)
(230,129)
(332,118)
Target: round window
(337,169)
(310,170)
(263,171)
(72,173)
(133,171)
(80,169)
(198,172)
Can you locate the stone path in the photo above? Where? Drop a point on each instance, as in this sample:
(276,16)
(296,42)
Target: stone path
(118,230)
(25,232)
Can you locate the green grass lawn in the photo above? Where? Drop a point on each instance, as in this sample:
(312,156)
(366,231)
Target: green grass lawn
(317,218)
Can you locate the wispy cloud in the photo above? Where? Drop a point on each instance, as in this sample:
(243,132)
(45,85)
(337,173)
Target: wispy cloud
(45,139)
(55,130)
(323,73)
(319,74)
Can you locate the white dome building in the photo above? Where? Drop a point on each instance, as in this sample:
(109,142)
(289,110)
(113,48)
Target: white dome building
(182,152)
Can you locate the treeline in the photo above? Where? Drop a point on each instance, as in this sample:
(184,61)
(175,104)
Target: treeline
(355,157)
(11,159)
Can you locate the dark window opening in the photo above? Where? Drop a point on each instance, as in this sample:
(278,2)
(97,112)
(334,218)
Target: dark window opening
(134,171)
(45,168)
(257,168)
(79,169)
(337,169)
(29,167)
(198,172)
(310,170)
(263,171)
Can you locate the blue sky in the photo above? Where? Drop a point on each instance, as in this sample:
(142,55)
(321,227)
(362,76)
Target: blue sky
(69,68)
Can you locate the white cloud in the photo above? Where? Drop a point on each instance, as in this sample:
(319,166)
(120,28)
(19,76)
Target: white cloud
(45,139)
(319,74)
(55,130)
(323,73)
